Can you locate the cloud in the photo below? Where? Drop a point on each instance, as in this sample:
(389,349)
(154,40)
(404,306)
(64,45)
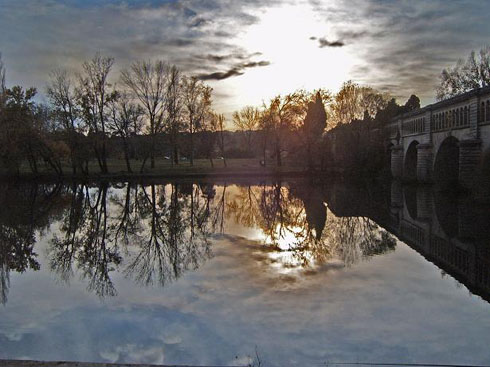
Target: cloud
(220,75)
(325,43)
(220,58)
(399,43)
(235,71)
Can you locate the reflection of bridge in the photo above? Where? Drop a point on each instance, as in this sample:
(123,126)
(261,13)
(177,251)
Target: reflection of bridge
(449,140)
(450,233)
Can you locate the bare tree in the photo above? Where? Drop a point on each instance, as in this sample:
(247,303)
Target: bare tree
(61,94)
(353,100)
(197,102)
(148,82)
(173,107)
(218,127)
(247,121)
(284,114)
(126,122)
(266,123)
(465,75)
(94,96)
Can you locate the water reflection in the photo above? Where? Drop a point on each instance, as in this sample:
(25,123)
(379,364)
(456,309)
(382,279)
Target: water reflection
(26,210)
(154,233)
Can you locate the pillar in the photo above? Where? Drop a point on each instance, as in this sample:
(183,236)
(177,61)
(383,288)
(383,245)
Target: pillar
(424,162)
(397,161)
(469,157)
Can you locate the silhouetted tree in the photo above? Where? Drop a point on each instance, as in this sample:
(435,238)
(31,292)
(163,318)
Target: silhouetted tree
(353,100)
(125,122)
(285,113)
(67,114)
(94,94)
(313,126)
(413,103)
(247,121)
(173,107)
(218,127)
(197,103)
(149,82)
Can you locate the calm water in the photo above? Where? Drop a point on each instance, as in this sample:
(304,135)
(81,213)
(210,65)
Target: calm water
(209,273)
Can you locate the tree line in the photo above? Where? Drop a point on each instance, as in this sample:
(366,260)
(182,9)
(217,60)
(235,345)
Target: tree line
(154,111)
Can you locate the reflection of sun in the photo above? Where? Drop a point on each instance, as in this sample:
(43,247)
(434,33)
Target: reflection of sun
(286,240)
(282,35)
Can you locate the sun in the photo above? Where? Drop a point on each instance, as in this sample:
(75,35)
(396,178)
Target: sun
(283,37)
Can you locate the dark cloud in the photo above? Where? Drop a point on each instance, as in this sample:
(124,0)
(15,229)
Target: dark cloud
(199,22)
(351,35)
(223,34)
(232,56)
(180,42)
(234,71)
(253,64)
(221,75)
(325,43)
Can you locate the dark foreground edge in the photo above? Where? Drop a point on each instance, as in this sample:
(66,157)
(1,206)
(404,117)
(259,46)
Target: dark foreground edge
(29,363)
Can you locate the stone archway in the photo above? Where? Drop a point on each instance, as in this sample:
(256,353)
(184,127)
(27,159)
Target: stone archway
(410,162)
(446,165)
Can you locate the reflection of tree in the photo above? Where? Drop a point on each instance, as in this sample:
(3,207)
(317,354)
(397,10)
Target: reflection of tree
(294,220)
(86,238)
(155,233)
(24,209)
(358,238)
(162,229)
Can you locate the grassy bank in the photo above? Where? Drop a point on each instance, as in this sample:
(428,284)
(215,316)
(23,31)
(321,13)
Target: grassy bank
(165,168)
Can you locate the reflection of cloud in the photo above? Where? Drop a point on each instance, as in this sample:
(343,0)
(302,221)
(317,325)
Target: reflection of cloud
(237,301)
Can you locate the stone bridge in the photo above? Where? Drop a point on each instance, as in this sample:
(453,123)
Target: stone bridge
(446,141)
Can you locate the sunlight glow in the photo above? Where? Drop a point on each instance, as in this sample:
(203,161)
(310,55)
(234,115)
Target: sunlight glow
(283,37)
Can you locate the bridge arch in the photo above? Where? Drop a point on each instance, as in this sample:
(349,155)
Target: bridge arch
(446,164)
(410,162)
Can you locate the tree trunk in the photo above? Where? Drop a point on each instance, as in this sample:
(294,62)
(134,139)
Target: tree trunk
(192,148)
(278,155)
(176,154)
(249,136)
(152,151)
(126,155)
(308,151)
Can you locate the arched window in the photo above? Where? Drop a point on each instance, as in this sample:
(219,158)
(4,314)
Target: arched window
(456,120)
(466,113)
(461,116)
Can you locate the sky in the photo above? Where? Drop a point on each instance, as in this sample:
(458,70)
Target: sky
(249,51)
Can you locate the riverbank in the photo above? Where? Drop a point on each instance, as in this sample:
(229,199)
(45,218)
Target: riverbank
(239,168)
